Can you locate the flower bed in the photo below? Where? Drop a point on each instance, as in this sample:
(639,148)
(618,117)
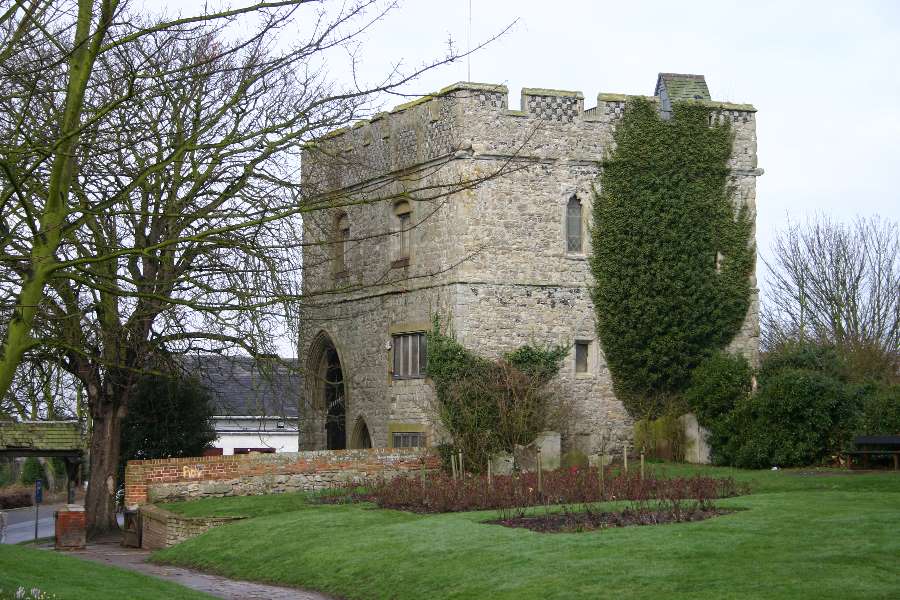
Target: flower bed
(590,519)
(442,493)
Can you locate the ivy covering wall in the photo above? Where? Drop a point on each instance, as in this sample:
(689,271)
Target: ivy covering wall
(491,406)
(672,254)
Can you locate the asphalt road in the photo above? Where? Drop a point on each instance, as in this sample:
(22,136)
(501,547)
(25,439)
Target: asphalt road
(20,523)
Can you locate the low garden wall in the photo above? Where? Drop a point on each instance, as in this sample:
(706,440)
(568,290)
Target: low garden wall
(166,480)
(161,528)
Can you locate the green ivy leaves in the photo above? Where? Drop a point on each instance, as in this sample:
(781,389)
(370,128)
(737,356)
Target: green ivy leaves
(672,254)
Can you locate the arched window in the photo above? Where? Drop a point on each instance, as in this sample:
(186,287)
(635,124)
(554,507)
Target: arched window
(403,214)
(341,243)
(574,227)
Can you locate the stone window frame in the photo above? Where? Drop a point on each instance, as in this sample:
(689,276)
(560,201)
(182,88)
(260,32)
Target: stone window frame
(341,245)
(411,339)
(585,211)
(419,429)
(413,327)
(401,240)
(592,352)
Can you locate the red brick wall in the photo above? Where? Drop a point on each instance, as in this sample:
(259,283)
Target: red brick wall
(71,527)
(142,475)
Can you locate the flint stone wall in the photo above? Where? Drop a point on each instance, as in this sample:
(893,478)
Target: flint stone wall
(255,474)
(490,259)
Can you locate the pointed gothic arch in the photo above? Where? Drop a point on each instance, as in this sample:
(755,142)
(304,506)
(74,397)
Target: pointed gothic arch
(360,437)
(325,418)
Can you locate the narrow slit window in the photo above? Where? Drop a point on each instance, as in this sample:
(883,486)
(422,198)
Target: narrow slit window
(341,243)
(403,214)
(581,356)
(574,226)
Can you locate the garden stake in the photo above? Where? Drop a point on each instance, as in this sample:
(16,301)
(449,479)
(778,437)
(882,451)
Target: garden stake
(422,472)
(453,465)
(625,456)
(462,471)
(602,473)
(642,464)
(540,469)
(489,481)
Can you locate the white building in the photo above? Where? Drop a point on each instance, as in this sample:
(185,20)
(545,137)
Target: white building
(255,404)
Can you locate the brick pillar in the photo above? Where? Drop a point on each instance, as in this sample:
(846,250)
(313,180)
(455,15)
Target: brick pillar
(135,484)
(71,527)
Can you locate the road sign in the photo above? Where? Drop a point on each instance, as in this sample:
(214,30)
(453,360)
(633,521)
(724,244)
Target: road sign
(38,498)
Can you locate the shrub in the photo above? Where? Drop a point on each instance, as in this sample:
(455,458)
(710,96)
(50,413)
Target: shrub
(15,497)
(488,406)
(574,458)
(662,438)
(880,409)
(6,472)
(798,417)
(717,385)
(32,470)
(167,417)
(441,493)
(804,355)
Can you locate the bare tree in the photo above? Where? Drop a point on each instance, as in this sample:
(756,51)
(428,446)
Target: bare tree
(178,225)
(836,283)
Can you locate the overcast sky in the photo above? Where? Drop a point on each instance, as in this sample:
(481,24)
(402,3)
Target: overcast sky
(824,76)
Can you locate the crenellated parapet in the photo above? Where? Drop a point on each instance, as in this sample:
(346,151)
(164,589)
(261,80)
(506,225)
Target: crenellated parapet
(468,117)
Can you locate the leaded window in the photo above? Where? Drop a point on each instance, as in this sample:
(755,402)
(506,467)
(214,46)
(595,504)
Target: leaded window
(574,227)
(410,355)
(408,439)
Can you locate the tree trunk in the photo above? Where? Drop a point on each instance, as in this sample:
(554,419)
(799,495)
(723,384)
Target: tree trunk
(106,440)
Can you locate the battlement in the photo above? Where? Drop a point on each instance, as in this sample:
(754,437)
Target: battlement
(557,105)
(467,115)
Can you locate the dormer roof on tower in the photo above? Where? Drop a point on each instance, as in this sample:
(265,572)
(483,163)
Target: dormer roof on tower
(679,86)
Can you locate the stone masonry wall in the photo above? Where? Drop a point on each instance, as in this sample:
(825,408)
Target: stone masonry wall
(254,474)
(361,334)
(491,258)
(161,528)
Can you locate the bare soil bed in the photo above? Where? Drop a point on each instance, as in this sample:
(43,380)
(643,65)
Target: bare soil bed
(571,522)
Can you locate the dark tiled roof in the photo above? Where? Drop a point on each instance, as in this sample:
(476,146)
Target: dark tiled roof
(681,86)
(242,386)
(41,435)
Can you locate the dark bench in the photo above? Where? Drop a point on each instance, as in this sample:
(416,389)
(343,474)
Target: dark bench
(875,445)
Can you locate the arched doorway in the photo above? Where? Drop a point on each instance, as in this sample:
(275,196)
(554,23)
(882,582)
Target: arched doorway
(324,403)
(360,437)
(335,401)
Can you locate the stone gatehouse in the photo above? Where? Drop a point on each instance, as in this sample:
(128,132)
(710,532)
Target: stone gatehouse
(455,205)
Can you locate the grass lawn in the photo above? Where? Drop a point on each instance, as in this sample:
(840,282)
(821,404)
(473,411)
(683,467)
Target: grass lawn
(812,534)
(69,578)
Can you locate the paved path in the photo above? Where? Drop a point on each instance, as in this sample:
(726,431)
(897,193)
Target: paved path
(109,552)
